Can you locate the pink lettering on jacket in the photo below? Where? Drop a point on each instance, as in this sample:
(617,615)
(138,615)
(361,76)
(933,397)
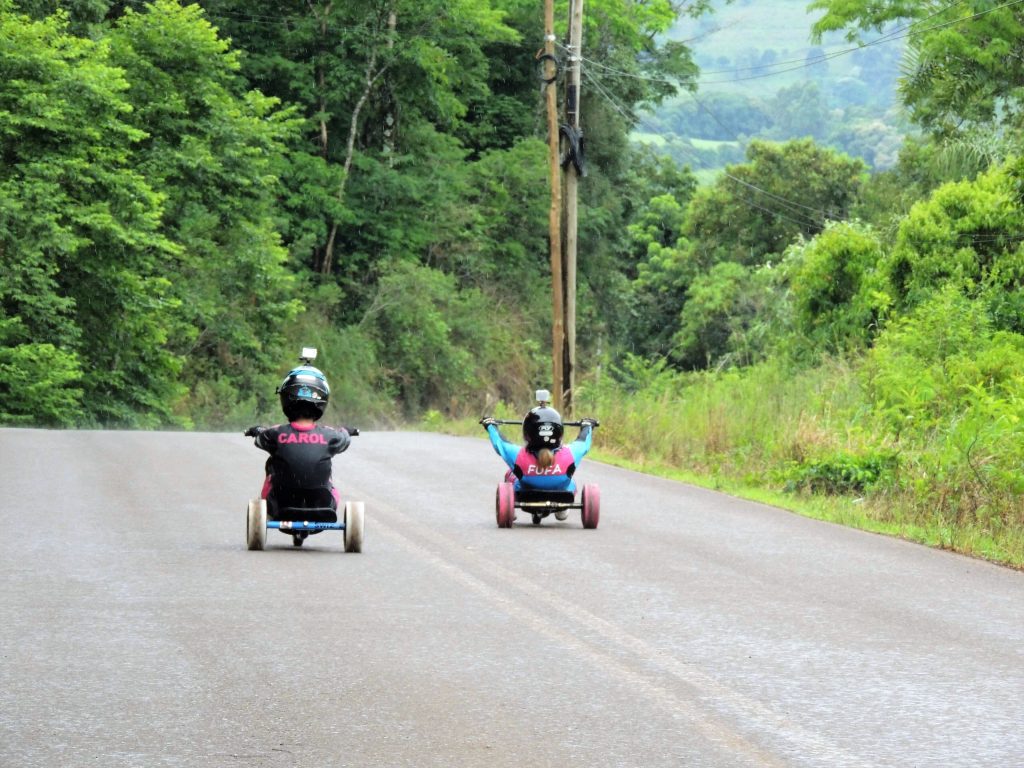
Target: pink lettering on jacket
(310,438)
(527,463)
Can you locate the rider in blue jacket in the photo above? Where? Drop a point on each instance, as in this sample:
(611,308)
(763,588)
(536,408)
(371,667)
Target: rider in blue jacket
(543,463)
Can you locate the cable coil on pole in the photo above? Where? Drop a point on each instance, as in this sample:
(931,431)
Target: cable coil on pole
(542,58)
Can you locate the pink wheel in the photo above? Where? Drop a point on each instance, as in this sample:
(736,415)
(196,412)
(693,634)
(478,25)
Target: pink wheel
(505,505)
(591,506)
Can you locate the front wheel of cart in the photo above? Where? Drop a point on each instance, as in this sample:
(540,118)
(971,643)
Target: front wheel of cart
(591,513)
(256,524)
(505,505)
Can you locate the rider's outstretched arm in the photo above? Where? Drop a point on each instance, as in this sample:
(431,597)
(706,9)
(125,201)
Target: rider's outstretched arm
(339,440)
(508,451)
(581,445)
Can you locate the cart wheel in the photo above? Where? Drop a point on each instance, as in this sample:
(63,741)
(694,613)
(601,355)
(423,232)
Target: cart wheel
(256,524)
(591,506)
(297,539)
(505,505)
(536,519)
(354,526)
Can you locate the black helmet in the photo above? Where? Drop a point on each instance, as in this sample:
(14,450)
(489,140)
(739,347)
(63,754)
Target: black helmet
(542,428)
(304,392)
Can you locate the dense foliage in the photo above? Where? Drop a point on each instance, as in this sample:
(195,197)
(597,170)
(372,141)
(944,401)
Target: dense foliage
(191,191)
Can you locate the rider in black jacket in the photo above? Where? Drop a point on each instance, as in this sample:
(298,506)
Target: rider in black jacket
(299,467)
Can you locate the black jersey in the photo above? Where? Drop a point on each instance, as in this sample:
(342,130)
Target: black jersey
(300,457)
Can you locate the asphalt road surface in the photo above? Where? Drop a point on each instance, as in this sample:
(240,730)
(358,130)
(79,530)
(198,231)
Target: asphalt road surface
(689,629)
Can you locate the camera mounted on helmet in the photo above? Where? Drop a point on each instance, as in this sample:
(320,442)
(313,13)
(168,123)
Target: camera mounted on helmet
(304,392)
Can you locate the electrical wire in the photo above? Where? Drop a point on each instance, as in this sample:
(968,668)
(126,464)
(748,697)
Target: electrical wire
(790,204)
(793,210)
(791,207)
(633,119)
(837,54)
(884,38)
(805,223)
(806,226)
(805,63)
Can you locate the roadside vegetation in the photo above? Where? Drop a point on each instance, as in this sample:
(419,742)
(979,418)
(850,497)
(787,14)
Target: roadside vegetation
(189,192)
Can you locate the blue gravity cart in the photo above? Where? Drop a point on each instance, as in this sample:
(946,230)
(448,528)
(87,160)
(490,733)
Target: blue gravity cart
(293,524)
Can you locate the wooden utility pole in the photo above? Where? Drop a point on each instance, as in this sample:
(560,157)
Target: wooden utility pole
(555,212)
(572,113)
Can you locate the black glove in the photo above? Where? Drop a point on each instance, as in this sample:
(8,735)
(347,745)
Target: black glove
(353,431)
(487,421)
(589,422)
(254,431)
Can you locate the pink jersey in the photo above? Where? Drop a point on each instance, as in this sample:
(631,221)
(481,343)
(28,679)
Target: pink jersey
(557,475)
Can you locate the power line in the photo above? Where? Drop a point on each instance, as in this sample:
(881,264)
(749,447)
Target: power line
(836,54)
(791,204)
(806,225)
(633,119)
(791,207)
(884,38)
(792,211)
(805,63)
(805,222)
(828,214)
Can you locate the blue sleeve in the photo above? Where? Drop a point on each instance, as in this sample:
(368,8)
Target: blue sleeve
(581,445)
(508,451)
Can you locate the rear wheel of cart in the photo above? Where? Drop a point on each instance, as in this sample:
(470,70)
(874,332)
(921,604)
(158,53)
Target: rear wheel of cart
(256,524)
(505,505)
(354,512)
(591,512)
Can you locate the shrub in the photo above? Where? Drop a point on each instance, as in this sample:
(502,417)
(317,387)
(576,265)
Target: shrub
(836,300)
(840,473)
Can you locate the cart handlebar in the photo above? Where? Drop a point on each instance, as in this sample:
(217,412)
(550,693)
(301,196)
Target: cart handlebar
(592,422)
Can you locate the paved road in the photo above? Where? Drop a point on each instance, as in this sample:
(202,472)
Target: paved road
(689,629)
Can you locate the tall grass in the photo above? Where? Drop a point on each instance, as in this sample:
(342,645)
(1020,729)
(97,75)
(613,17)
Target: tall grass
(814,441)
(744,425)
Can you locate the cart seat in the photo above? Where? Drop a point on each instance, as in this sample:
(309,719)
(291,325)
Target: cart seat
(534,495)
(313,504)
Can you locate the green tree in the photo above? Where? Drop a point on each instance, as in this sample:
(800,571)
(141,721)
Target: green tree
(837,295)
(755,210)
(38,382)
(720,307)
(80,232)
(439,344)
(966,235)
(961,65)
(664,271)
(377,83)
(797,112)
(214,149)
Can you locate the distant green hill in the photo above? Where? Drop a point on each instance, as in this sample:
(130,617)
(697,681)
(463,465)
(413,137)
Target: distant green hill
(761,77)
(743,45)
